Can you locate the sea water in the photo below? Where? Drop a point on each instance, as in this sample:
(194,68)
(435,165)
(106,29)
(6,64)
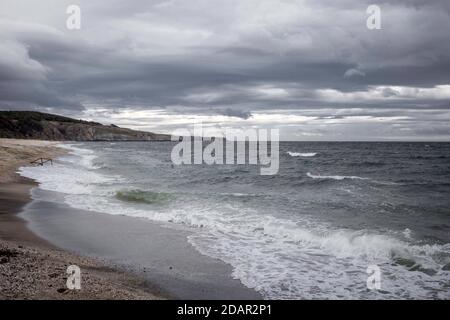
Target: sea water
(311,231)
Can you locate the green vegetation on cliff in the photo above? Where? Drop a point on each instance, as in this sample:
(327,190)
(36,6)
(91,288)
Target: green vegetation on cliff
(45,126)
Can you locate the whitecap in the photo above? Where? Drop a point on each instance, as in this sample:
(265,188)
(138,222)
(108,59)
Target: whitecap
(299,154)
(335,177)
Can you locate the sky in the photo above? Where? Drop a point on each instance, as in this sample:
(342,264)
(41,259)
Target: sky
(310,68)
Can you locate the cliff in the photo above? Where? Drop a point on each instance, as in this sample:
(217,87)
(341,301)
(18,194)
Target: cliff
(44,126)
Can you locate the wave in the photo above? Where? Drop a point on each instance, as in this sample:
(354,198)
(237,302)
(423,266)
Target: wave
(299,154)
(70,180)
(291,257)
(335,177)
(290,248)
(153,197)
(72,174)
(140,196)
(86,156)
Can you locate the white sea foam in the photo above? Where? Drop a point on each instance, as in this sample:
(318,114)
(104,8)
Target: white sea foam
(279,257)
(299,154)
(71,174)
(335,177)
(59,178)
(87,157)
(407,233)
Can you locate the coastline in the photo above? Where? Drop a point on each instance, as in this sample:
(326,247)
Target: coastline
(159,253)
(120,257)
(33,268)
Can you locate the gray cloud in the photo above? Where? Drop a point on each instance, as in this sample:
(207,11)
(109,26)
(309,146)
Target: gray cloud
(241,56)
(237,113)
(354,73)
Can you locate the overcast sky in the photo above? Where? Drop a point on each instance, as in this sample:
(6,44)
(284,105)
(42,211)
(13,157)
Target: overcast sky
(310,68)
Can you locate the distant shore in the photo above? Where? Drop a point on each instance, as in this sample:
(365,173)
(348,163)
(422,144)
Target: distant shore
(32,268)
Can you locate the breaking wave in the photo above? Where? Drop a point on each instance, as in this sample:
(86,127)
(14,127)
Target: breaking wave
(335,177)
(282,257)
(299,154)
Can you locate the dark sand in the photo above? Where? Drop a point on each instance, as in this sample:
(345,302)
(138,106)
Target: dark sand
(120,257)
(13,197)
(32,268)
(160,254)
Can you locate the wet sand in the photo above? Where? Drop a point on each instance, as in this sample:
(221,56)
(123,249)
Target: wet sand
(120,257)
(155,251)
(13,197)
(33,268)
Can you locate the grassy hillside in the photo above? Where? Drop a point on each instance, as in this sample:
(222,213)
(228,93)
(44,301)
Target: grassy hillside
(45,126)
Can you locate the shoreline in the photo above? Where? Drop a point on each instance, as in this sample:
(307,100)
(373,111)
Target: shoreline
(157,252)
(30,266)
(14,196)
(120,257)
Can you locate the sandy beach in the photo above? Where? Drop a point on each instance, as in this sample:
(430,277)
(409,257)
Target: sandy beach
(32,268)
(120,257)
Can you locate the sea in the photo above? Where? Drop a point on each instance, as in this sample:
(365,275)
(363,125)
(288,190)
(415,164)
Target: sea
(336,216)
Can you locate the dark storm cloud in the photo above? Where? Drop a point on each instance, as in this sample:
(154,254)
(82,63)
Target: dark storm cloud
(242,57)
